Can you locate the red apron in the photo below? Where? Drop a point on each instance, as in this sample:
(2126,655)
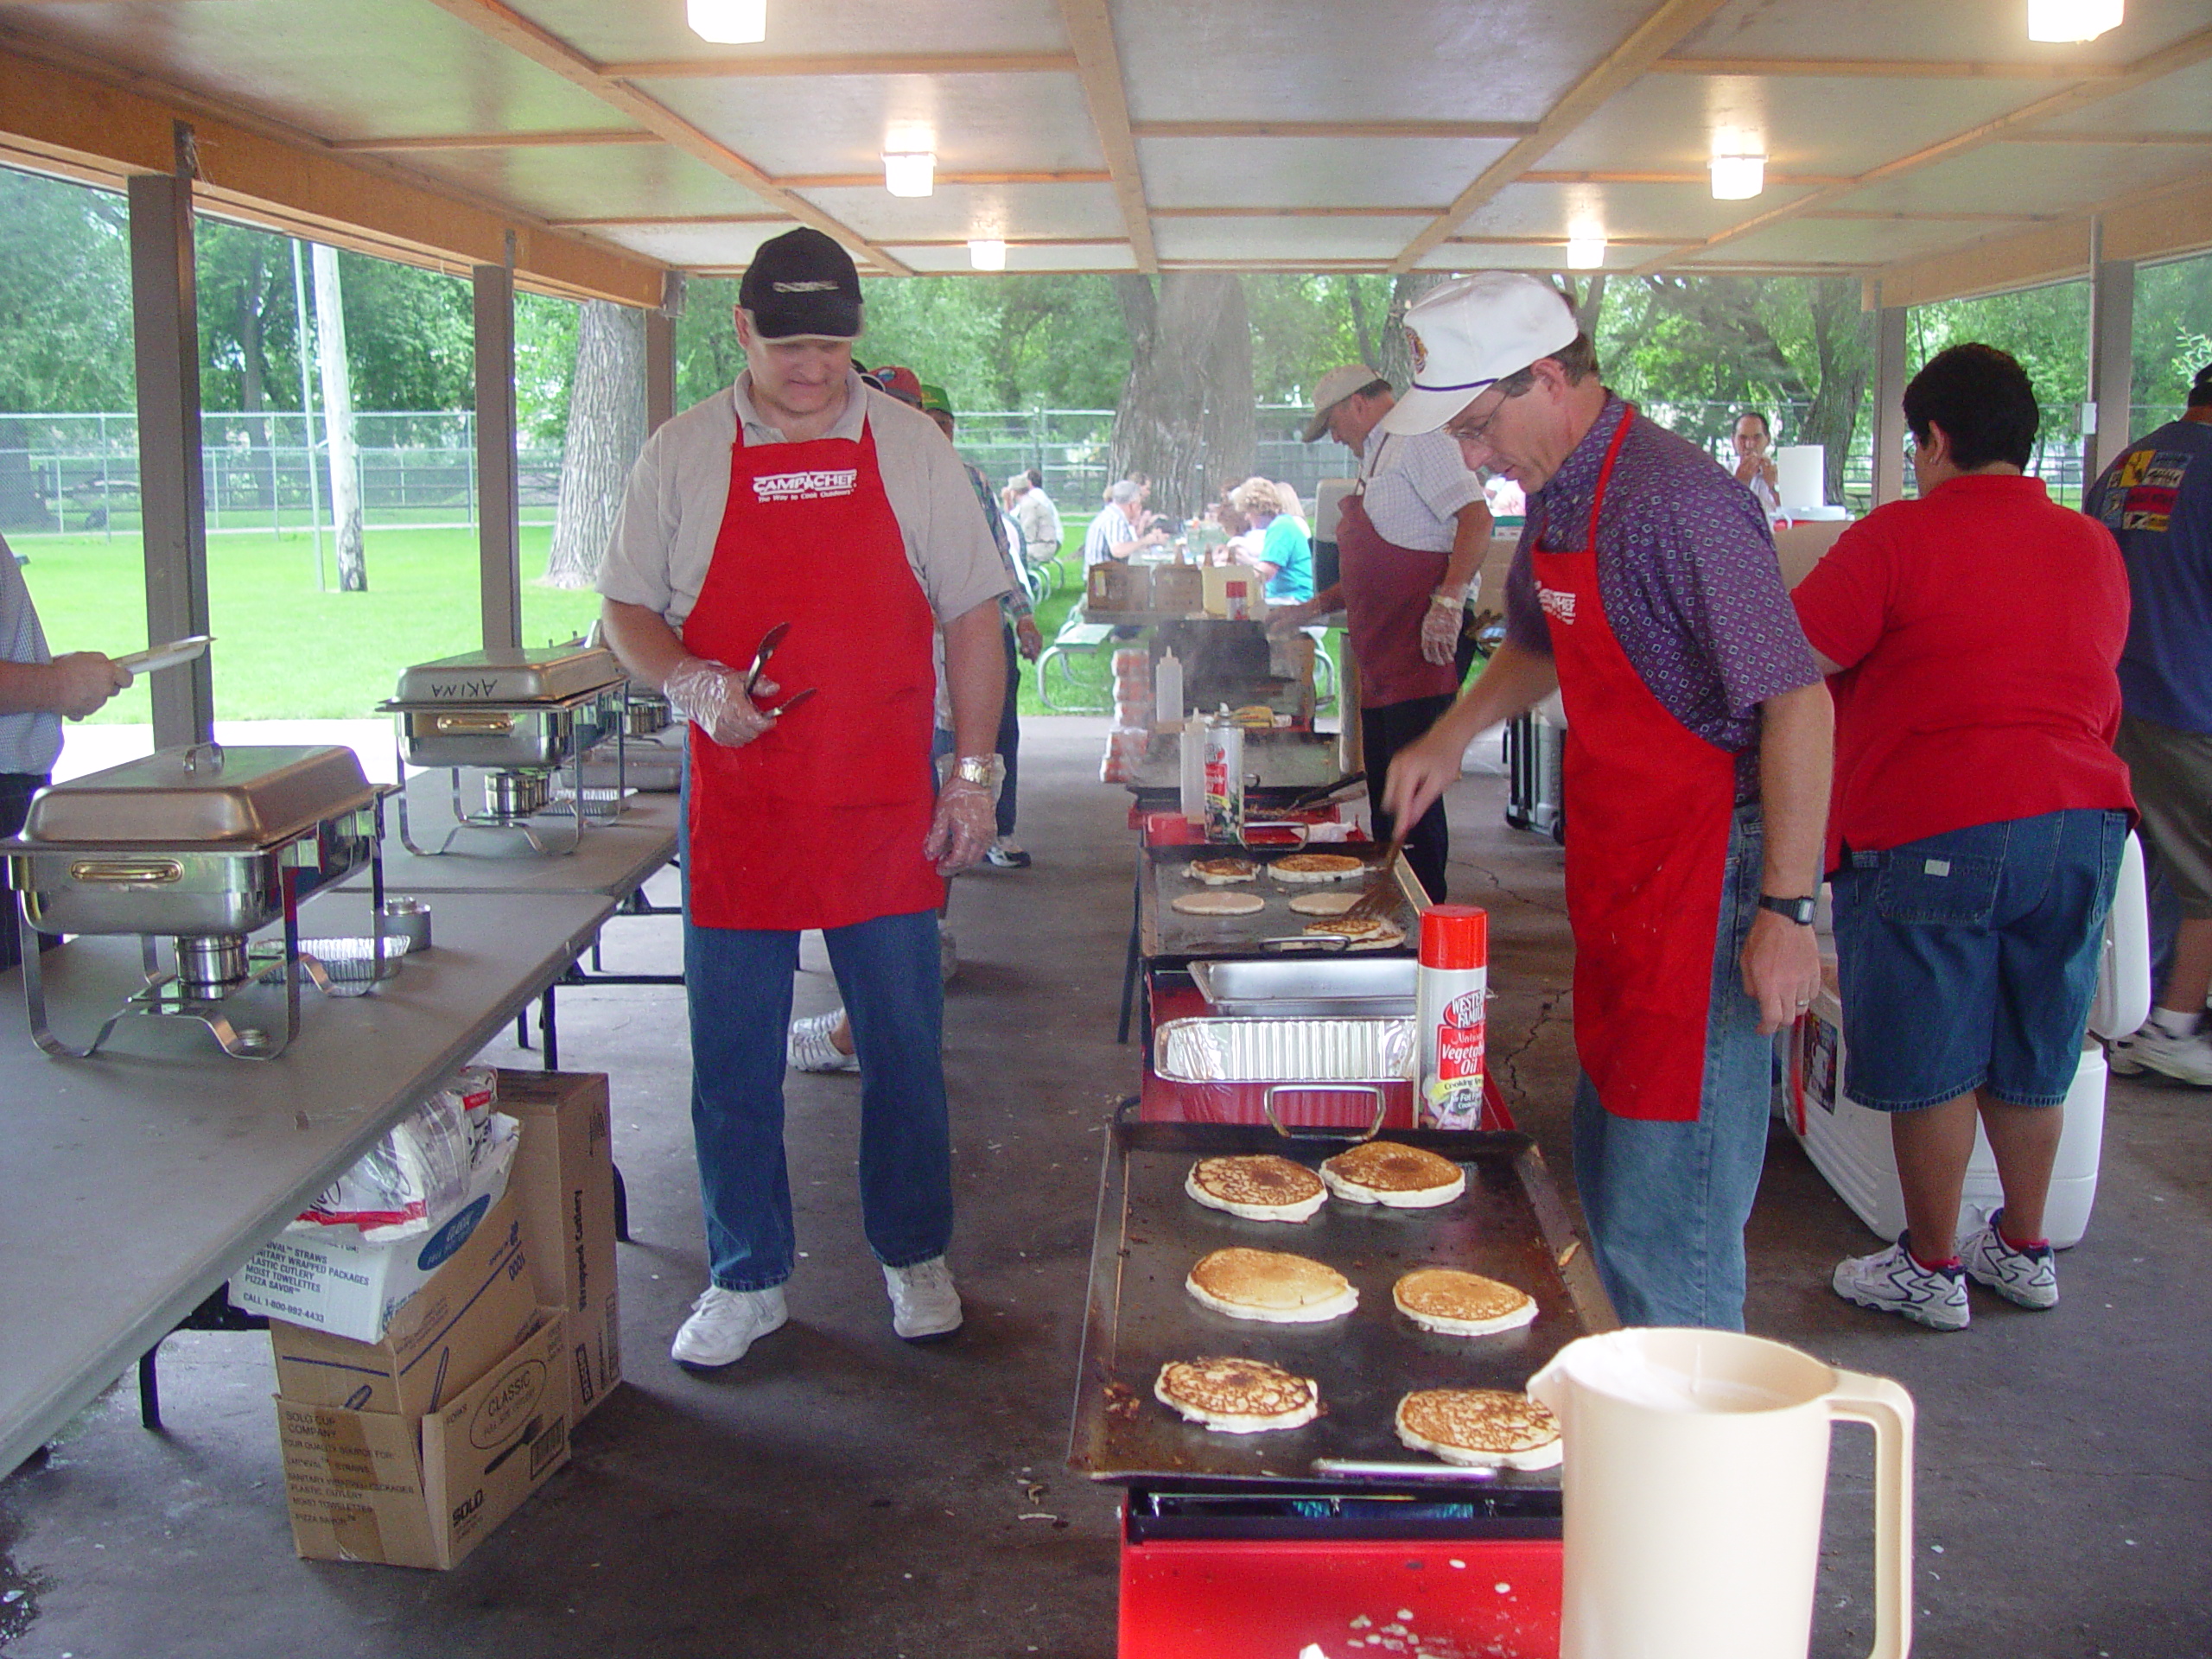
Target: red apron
(1386,589)
(819,821)
(1652,804)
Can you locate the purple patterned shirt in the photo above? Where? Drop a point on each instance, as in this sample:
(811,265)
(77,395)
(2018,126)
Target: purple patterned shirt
(1687,570)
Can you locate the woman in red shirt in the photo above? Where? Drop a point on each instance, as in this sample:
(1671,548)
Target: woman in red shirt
(1976,826)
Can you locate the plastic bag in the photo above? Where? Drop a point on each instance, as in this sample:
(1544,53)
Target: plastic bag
(420,1171)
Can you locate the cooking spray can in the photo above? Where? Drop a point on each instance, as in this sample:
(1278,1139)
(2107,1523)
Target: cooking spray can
(1452,983)
(1225,779)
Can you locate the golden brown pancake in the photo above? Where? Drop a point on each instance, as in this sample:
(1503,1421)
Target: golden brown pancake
(1317,866)
(1480,1428)
(1457,1304)
(1217,902)
(1258,1186)
(1216,872)
(1271,1287)
(1385,1172)
(1237,1396)
(1365,932)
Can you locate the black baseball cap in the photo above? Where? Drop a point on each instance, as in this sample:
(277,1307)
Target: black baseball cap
(802,283)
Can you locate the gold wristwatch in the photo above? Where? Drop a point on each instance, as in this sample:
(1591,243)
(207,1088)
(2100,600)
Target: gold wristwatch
(989,770)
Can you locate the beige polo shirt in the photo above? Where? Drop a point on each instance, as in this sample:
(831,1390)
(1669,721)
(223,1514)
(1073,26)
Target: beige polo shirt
(672,507)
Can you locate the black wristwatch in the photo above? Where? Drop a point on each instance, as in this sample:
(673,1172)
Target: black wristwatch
(1800,910)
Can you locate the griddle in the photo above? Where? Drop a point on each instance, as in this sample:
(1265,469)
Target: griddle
(1166,935)
(1509,1224)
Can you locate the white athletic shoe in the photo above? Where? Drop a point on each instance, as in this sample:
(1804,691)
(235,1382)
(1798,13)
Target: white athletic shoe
(809,1048)
(2188,1058)
(1890,1281)
(724,1324)
(2029,1277)
(924,1303)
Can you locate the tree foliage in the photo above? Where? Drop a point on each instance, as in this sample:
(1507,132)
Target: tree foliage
(64,297)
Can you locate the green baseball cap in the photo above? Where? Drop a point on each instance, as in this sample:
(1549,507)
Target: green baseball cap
(934,399)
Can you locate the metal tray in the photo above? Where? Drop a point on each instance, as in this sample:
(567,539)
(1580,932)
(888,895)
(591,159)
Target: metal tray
(1165,933)
(1281,1051)
(1306,986)
(235,800)
(508,675)
(1509,1224)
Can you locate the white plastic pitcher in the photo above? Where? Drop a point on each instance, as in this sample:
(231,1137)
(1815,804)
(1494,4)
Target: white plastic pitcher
(1696,1464)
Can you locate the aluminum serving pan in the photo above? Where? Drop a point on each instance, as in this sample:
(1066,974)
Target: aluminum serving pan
(1284,1051)
(507,676)
(1308,987)
(500,739)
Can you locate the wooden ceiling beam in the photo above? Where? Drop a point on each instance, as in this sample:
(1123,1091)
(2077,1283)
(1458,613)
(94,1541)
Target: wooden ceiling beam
(2190,50)
(502,23)
(396,146)
(855,181)
(679,219)
(2048,138)
(845,63)
(1295,212)
(1332,129)
(1899,215)
(1886,69)
(1470,238)
(1089,24)
(1540,175)
(1665,27)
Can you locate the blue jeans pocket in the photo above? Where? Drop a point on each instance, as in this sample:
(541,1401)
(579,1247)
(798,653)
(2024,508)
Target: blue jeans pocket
(1932,887)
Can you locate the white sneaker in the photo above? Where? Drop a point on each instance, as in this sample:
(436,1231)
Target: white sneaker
(724,1324)
(809,1048)
(2188,1058)
(2029,1277)
(924,1303)
(948,955)
(1890,1281)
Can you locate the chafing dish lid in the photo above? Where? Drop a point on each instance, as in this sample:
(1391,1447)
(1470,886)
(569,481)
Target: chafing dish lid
(245,797)
(508,675)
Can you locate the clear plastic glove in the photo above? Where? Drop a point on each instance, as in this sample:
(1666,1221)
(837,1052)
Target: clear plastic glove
(1440,629)
(962,831)
(712,696)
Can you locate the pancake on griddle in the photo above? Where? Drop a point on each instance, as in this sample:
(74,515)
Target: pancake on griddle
(1456,1304)
(1317,866)
(1480,1428)
(1325,903)
(1385,1172)
(1220,871)
(1218,901)
(1237,1396)
(1365,932)
(1271,1287)
(1259,1186)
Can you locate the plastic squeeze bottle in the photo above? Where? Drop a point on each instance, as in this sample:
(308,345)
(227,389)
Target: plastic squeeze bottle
(1451,985)
(1168,690)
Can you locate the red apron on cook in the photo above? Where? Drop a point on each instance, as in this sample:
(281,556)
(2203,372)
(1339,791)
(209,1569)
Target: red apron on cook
(1651,806)
(819,821)
(1387,590)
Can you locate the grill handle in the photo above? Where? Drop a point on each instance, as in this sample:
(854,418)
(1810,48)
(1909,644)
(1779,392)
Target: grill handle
(126,872)
(1327,1132)
(475,722)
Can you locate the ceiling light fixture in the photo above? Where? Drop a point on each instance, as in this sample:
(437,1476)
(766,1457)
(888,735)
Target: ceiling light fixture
(2069,21)
(910,172)
(728,22)
(1738,178)
(986,253)
(1586,250)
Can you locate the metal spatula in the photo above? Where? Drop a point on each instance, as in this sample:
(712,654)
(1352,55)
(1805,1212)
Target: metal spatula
(1381,896)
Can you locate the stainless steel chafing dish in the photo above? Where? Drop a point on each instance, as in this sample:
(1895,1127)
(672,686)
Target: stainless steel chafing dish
(201,846)
(519,717)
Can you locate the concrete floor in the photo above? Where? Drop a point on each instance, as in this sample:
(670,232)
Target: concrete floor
(842,1493)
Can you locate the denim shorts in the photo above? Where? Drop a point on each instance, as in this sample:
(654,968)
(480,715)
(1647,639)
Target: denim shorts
(1968,960)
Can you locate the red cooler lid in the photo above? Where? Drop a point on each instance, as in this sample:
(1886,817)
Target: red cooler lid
(1455,936)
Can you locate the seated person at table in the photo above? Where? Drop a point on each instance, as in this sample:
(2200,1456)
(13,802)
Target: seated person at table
(1285,557)
(1113,534)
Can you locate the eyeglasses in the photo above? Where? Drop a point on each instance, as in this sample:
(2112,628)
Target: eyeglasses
(1479,432)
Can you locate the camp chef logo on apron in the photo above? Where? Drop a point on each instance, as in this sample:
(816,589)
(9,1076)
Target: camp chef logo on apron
(1560,606)
(771,487)
(1417,351)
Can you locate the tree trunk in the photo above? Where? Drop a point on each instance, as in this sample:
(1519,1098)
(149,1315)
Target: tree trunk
(1397,366)
(1187,417)
(1843,334)
(607,428)
(338,422)
(253,359)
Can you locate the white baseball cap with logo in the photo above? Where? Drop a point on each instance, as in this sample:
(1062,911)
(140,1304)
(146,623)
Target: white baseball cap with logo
(1468,335)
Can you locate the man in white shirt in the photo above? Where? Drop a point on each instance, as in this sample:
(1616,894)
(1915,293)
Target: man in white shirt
(1409,542)
(1112,533)
(1041,532)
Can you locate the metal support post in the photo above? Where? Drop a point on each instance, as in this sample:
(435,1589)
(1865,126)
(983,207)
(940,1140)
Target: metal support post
(2112,363)
(165,319)
(1889,404)
(499,527)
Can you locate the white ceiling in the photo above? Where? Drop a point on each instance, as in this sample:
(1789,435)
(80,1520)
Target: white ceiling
(1094,134)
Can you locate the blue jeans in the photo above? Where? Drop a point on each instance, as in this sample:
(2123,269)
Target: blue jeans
(1665,1204)
(1968,960)
(739,984)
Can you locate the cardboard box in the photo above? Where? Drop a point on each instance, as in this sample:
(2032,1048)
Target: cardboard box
(564,1175)
(1179,589)
(473,1310)
(1114,585)
(371,1486)
(330,1280)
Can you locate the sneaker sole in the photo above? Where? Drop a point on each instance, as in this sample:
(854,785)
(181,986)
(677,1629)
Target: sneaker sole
(2146,1064)
(707,1367)
(927,1337)
(1997,1288)
(1875,1305)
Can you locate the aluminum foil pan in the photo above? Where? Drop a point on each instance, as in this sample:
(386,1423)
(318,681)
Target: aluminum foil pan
(1284,1051)
(1334,986)
(350,964)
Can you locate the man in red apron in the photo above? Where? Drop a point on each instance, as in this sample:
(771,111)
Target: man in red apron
(1410,539)
(800,502)
(1645,589)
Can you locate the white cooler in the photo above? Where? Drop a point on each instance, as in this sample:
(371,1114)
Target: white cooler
(1850,1145)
